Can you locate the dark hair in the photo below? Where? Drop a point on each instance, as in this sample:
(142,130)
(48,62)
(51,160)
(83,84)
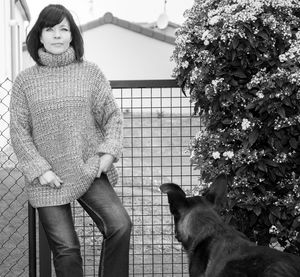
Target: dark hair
(49,17)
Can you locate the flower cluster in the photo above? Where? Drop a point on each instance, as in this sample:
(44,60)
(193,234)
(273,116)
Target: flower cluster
(246,124)
(293,54)
(216,86)
(240,62)
(280,123)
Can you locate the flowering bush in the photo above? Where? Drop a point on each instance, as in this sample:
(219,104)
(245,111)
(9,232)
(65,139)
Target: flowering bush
(240,62)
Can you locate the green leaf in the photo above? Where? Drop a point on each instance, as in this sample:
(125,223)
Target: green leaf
(281,112)
(283,215)
(280,134)
(253,137)
(261,166)
(287,102)
(231,203)
(296,222)
(233,55)
(245,144)
(293,143)
(253,219)
(257,210)
(227,121)
(272,175)
(239,74)
(228,218)
(264,35)
(235,43)
(271,163)
(233,83)
(273,240)
(272,219)
(279,82)
(275,211)
(240,171)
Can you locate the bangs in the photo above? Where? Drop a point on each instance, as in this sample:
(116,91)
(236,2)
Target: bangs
(52,18)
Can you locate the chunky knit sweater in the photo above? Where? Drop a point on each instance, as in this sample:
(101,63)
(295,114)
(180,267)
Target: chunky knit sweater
(63,118)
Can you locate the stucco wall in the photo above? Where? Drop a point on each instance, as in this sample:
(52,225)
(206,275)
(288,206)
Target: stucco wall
(126,55)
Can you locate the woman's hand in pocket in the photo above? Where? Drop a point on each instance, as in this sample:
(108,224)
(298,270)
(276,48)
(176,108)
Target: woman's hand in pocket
(106,162)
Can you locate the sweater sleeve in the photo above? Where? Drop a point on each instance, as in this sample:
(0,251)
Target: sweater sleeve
(31,162)
(109,118)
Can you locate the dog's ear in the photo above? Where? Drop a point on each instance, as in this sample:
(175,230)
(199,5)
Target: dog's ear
(176,196)
(217,192)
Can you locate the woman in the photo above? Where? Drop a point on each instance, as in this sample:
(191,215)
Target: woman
(66,130)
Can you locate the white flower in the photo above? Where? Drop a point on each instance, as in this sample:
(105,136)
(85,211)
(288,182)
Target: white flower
(273,230)
(185,64)
(282,58)
(216,155)
(205,35)
(214,20)
(246,124)
(228,154)
(206,42)
(297,209)
(194,76)
(260,95)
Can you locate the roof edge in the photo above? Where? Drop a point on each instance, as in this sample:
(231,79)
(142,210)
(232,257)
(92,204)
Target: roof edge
(109,18)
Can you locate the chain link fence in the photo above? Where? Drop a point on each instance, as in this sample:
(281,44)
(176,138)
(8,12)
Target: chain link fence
(13,203)
(158,125)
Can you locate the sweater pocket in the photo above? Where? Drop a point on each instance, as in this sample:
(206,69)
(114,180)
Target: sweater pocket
(91,167)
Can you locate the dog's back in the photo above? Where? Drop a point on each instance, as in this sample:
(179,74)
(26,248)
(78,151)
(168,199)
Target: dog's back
(234,256)
(261,262)
(215,249)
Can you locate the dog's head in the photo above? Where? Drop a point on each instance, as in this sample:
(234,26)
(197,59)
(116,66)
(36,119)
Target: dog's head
(194,217)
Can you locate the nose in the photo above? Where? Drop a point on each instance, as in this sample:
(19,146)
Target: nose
(57,34)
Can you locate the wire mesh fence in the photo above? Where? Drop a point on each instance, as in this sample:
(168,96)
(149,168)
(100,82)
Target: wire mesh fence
(13,203)
(158,125)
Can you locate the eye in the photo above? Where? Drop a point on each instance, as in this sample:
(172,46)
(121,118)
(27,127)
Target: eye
(65,29)
(47,29)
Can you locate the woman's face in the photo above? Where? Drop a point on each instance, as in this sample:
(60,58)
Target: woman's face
(56,39)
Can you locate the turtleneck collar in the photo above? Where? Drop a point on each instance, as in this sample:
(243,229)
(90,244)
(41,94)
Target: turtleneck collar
(57,60)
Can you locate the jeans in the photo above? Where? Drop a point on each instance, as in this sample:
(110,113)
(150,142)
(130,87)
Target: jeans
(105,208)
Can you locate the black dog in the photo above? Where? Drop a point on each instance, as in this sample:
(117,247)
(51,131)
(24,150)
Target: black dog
(215,249)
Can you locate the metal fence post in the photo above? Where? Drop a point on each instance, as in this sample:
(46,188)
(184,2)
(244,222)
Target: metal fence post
(32,240)
(44,250)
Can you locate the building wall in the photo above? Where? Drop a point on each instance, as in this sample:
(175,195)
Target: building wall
(126,55)
(12,36)
(9,69)
(21,33)
(5,40)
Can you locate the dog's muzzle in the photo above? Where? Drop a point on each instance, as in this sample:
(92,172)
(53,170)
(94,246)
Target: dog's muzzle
(177,236)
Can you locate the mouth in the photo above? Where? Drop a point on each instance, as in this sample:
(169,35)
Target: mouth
(57,44)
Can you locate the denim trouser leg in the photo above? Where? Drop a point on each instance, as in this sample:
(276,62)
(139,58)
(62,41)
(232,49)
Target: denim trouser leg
(59,228)
(107,211)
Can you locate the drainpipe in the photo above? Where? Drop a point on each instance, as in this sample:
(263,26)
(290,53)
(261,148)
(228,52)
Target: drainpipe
(13,23)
